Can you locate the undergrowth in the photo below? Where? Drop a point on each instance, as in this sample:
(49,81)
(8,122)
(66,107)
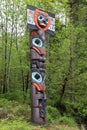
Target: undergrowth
(17,116)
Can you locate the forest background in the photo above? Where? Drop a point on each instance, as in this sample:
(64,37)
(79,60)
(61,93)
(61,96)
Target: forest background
(66,64)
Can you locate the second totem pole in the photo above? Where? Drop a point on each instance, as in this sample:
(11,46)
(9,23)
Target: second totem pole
(39,23)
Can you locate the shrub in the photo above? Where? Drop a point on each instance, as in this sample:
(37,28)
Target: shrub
(17,95)
(4,102)
(67,120)
(52,113)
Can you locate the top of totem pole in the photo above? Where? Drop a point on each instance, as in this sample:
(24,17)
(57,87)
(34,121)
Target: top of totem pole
(40,20)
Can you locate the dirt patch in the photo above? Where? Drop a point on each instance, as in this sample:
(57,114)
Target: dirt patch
(2,113)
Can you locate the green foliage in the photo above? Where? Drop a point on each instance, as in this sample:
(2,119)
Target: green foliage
(17,96)
(16,124)
(52,113)
(16,116)
(4,102)
(67,120)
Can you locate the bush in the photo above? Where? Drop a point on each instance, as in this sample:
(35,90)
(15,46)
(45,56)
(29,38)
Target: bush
(17,95)
(67,120)
(4,102)
(52,113)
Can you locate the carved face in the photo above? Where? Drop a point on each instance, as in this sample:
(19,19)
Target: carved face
(42,20)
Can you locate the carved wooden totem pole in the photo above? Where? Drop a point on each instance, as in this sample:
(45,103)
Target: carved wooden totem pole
(39,22)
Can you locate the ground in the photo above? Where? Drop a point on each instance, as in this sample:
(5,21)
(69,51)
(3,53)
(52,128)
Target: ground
(16,116)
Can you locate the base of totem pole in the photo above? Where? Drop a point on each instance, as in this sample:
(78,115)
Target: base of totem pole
(35,111)
(35,117)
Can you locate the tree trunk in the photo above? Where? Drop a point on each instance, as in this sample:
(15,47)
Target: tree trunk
(10,51)
(74,5)
(5,58)
(22,71)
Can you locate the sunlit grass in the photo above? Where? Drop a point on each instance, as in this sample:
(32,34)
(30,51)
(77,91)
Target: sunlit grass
(23,125)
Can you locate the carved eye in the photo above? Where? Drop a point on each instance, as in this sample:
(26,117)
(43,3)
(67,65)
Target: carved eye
(41,18)
(37,42)
(37,77)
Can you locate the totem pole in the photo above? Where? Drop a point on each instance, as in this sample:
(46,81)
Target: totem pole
(39,22)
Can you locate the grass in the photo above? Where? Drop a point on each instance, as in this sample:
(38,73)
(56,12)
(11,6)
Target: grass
(16,116)
(17,125)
